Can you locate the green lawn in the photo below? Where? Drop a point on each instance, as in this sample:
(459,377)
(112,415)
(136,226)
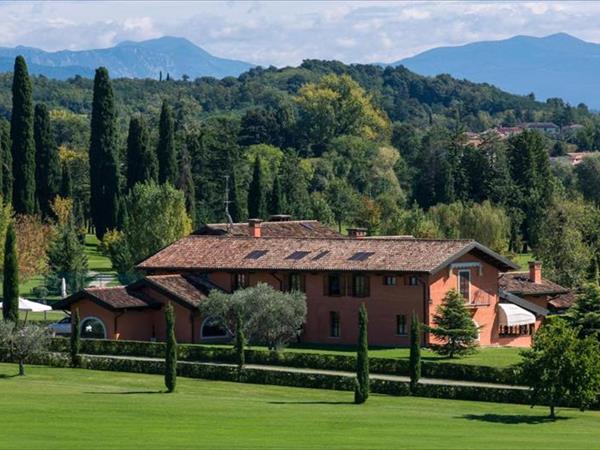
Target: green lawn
(96,261)
(68,408)
(522,259)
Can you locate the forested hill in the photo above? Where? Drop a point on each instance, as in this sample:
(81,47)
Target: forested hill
(402,94)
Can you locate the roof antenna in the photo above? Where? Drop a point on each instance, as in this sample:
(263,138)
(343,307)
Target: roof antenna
(227,202)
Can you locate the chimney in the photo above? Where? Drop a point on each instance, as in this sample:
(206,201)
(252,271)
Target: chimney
(254,225)
(535,272)
(357,233)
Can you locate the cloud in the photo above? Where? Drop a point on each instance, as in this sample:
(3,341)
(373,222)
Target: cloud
(284,33)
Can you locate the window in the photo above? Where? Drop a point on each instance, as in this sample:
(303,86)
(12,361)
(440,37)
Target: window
(389,280)
(296,282)
(333,285)
(255,254)
(360,285)
(401,325)
(297,255)
(240,280)
(517,330)
(334,324)
(464,284)
(413,280)
(320,255)
(361,256)
(92,328)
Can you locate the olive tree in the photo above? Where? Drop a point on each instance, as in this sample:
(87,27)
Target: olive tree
(267,316)
(21,343)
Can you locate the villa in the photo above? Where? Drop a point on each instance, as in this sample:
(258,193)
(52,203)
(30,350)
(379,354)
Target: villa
(393,276)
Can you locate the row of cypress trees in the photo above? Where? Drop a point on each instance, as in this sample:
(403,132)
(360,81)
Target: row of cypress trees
(36,173)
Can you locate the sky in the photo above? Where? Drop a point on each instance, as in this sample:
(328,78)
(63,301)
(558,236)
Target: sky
(285,33)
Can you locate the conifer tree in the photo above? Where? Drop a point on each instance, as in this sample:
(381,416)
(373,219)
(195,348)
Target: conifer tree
(276,200)
(361,390)
(75,340)
(236,209)
(185,182)
(167,158)
(47,163)
(142,165)
(240,342)
(10,286)
(103,155)
(257,207)
(7,165)
(171,350)
(415,352)
(454,327)
(21,133)
(66,182)
(67,259)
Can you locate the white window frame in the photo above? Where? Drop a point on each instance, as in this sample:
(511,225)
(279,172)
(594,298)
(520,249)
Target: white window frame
(458,277)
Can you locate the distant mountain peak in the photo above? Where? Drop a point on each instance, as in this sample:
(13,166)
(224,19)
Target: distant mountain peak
(556,65)
(144,59)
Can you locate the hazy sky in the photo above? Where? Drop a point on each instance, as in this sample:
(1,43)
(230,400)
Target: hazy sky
(282,33)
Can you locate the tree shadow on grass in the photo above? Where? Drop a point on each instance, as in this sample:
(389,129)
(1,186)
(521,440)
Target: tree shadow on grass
(126,392)
(317,402)
(513,419)
(5,375)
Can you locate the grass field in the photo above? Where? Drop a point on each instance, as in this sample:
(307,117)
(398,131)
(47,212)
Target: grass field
(69,408)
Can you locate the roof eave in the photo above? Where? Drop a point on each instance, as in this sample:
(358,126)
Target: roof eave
(504,262)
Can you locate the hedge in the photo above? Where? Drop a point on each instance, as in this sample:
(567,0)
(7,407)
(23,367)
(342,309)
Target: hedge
(207,353)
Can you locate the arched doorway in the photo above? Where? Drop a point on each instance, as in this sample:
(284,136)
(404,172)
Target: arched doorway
(92,328)
(212,328)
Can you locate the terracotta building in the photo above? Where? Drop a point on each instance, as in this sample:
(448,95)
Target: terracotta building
(393,276)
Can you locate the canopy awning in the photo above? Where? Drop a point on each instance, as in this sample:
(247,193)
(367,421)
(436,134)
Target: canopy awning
(512,315)
(28,305)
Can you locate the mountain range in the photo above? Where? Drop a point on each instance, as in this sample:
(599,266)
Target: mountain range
(558,65)
(145,59)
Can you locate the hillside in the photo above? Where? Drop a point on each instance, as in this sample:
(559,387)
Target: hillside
(146,59)
(558,65)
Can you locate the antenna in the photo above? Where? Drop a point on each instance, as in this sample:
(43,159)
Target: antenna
(227,202)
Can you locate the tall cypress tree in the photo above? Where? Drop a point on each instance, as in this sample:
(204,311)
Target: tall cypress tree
(276,200)
(75,338)
(10,287)
(185,182)
(104,164)
(415,352)
(47,163)
(7,165)
(236,209)
(21,134)
(257,205)
(240,342)
(361,391)
(167,158)
(171,350)
(142,165)
(66,181)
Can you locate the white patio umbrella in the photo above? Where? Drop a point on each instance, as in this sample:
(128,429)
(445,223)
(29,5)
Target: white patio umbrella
(63,288)
(28,305)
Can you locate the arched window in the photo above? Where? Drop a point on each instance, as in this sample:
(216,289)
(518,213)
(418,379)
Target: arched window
(93,328)
(212,328)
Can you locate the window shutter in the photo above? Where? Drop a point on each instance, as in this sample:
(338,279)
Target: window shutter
(342,285)
(350,285)
(325,284)
(367,286)
(285,282)
(303,282)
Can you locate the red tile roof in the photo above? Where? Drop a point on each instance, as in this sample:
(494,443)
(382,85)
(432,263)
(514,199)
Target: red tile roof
(563,301)
(519,283)
(186,288)
(290,228)
(338,254)
(118,297)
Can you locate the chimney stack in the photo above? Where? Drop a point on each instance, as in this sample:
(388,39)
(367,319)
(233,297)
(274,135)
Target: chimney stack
(357,233)
(254,225)
(535,272)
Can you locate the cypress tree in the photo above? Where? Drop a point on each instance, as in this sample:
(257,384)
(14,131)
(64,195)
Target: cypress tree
(167,159)
(361,390)
(103,153)
(23,147)
(10,287)
(171,350)
(75,338)
(142,165)
(276,200)
(185,182)
(66,182)
(257,208)
(236,209)
(415,352)
(47,163)
(240,342)
(7,165)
